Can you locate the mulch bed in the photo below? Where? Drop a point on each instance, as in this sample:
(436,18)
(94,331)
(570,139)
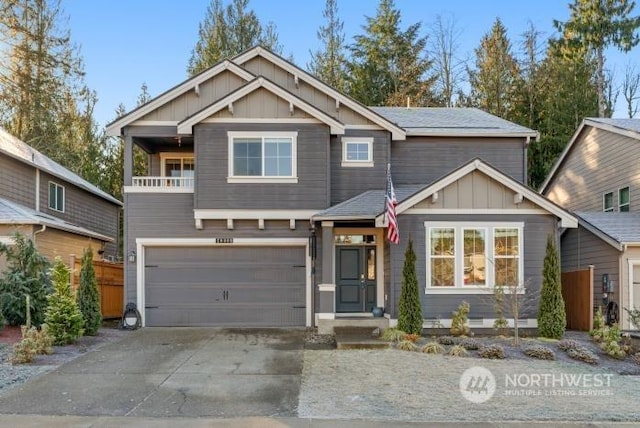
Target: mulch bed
(10,334)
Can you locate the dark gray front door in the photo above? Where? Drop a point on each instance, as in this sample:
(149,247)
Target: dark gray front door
(355,278)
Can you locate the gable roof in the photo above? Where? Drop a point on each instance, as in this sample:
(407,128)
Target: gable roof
(365,206)
(12,213)
(567,220)
(114,128)
(439,121)
(615,228)
(186,125)
(627,127)
(24,153)
(397,133)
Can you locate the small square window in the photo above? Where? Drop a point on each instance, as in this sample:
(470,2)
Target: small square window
(357,152)
(607,202)
(623,199)
(56,197)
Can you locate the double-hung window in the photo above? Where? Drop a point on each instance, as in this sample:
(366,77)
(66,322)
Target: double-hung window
(179,167)
(357,151)
(256,157)
(623,199)
(56,196)
(472,257)
(607,202)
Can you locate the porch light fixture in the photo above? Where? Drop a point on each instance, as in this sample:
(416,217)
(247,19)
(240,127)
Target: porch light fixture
(132,256)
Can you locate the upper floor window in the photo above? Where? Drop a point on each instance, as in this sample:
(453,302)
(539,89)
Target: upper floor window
(357,151)
(56,197)
(256,157)
(607,202)
(178,165)
(623,199)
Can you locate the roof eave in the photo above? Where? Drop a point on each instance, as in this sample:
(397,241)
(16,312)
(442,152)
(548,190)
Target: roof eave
(454,133)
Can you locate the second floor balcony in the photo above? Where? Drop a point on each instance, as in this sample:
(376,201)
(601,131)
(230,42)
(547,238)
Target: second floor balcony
(161,184)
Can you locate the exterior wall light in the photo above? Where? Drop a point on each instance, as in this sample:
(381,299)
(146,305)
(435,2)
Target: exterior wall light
(132,256)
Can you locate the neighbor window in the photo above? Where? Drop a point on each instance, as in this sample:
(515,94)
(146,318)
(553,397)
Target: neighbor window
(607,202)
(623,199)
(464,257)
(357,151)
(56,197)
(255,157)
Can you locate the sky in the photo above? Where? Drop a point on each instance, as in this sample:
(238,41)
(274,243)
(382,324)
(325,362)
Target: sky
(126,43)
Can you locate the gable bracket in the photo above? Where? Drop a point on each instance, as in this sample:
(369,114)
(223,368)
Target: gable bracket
(291,108)
(196,89)
(434,197)
(518,198)
(337,104)
(295,80)
(230,107)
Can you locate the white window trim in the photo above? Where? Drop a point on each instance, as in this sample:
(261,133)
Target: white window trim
(357,163)
(628,204)
(231,135)
(459,287)
(604,207)
(64,196)
(174,155)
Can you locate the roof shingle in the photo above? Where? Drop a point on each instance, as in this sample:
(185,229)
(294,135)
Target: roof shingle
(624,228)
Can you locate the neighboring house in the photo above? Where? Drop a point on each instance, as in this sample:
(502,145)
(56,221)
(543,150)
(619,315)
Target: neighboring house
(61,212)
(598,177)
(264,199)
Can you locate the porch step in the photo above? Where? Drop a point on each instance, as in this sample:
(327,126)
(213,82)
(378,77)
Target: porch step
(356,337)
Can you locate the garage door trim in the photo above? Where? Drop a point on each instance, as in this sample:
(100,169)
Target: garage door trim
(142,243)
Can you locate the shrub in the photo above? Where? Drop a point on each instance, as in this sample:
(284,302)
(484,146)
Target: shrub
(413,337)
(636,357)
(42,340)
(447,340)
(410,311)
(634,316)
(552,318)
(583,354)
(495,352)
(566,344)
(433,348)
(599,326)
(458,351)
(539,352)
(611,342)
(470,344)
(88,296)
(393,335)
(63,316)
(459,326)
(26,275)
(407,345)
(23,351)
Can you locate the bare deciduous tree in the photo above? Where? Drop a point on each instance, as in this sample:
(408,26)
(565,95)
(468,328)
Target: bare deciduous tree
(631,89)
(448,67)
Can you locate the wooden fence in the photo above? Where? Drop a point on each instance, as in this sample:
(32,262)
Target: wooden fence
(110,277)
(577,292)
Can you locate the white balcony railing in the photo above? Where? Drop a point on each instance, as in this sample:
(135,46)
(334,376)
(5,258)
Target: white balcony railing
(161,184)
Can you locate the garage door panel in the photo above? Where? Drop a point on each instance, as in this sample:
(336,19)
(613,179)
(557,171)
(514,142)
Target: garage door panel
(172,294)
(229,274)
(234,316)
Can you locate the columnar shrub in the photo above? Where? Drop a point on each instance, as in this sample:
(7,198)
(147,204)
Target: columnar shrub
(88,296)
(410,312)
(552,319)
(459,321)
(63,318)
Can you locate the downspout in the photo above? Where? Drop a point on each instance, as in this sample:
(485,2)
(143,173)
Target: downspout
(44,227)
(525,178)
(38,189)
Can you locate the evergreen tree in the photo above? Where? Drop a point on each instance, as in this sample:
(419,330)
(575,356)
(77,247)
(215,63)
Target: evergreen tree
(388,65)
(595,25)
(410,311)
(495,80)
(26,275)
(552,319)
(63,318)
(328,63)
(88,296)
(226,32)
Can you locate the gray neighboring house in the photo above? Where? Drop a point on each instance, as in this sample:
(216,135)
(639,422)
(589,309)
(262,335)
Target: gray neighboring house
(59,210)
(263,204)
(598,176)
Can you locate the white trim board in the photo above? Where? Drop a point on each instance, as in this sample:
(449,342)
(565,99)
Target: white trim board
(142,243)
(142,189)
(213,214)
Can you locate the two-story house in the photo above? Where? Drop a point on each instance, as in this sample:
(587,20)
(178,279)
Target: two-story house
(597,176)
(264,203)
(60,211)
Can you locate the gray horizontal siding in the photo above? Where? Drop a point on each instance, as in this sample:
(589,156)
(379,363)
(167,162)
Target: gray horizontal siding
(347,182)
(17,182)
(213,191)
(422,160)
(536,230)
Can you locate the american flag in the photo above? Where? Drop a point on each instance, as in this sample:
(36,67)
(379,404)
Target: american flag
(390,210)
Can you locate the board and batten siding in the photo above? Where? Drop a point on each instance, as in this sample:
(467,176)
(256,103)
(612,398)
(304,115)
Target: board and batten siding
(423,160)
(212,169)
(350,181)
(17,182)
(536,230)
(599,162)
(581,248)
(161,215)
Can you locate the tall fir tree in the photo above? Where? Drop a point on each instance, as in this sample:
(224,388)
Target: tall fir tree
(496,77)
(227,31)
(552,319)
(88,296)
(594,25)
(410,311)
(328,63)
(388,65)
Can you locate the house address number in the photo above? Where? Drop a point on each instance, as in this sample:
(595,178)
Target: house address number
(224,240)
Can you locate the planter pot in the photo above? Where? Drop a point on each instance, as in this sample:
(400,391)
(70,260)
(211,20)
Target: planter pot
(377,311)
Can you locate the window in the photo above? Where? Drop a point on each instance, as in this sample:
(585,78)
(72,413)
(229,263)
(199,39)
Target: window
(56,197)
(357,152)
(468,257)
(254,157)
(607,202)
(178,167)
(623,199)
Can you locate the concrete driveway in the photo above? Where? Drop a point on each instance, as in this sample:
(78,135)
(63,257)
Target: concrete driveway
(156,372)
